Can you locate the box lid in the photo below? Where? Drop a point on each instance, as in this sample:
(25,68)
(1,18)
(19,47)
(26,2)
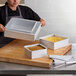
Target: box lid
(21,24)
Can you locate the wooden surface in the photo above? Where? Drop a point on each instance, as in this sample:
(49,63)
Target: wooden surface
(14,52)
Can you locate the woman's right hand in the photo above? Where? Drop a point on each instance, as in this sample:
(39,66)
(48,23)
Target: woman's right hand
(2,28)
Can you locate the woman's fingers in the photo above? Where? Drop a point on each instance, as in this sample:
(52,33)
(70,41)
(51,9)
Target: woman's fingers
(42,22)
(2,28)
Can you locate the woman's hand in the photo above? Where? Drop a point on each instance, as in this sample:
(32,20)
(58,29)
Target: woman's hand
(42,22)
(2,28)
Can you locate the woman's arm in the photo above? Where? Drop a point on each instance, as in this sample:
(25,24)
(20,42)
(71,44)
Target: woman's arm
(2,28)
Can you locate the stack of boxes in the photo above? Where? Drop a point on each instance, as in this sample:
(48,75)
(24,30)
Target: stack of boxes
(22,29)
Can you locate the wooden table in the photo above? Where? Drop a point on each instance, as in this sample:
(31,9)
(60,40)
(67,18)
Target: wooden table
(14,52)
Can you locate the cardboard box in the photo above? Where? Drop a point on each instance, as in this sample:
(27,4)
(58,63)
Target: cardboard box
(36,52)
(22,29)
(54,45)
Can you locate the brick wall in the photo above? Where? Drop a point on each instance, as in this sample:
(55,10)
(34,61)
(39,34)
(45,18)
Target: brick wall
(3,1)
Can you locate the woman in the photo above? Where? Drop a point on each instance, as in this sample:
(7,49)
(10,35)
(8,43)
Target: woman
(13,9)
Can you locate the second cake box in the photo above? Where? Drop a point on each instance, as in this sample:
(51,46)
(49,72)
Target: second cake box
(54,41)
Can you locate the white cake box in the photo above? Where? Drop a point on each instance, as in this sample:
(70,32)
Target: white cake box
(54,45)
(36,53)
(22,29)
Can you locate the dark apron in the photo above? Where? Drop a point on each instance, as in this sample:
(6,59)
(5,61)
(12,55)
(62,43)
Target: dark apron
(5,40)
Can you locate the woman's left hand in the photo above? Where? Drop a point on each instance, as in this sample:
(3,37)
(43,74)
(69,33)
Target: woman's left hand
(42,22)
